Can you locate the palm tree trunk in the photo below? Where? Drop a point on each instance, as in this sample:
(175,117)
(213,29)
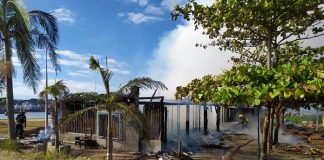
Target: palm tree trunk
(9,87)
(57,140)
(46,98)
(110,146)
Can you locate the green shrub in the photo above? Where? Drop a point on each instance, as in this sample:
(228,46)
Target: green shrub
(298,119)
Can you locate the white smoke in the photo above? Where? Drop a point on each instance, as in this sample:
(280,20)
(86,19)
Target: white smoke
(176,60)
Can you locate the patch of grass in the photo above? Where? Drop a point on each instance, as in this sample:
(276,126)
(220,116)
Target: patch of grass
(33,126)
(32,155)
(8,145)
(53,154)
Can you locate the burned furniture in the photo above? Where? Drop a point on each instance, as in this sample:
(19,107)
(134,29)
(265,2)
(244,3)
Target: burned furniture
(86,140)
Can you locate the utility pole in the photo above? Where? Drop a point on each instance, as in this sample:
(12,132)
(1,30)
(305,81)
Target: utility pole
(46,100)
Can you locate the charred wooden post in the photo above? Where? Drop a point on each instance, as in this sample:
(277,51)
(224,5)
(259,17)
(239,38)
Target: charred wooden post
(187,118)
(217,119)
(165,123)
(194,118)
(135,95)
(163,119)
(199,117)
(179,149)
(178,120)
(205,120)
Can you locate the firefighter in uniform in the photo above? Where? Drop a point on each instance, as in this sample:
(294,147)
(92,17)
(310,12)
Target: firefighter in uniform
(243,120)
(20,124)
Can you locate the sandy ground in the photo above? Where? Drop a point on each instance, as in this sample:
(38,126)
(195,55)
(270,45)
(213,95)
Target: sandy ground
(33,126)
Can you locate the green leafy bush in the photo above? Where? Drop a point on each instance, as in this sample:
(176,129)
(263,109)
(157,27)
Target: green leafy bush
(298,119)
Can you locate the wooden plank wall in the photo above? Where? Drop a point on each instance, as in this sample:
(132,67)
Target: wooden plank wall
(81,123)
(155,115)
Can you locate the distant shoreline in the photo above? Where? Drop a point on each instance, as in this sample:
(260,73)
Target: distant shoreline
(29,115)
(29,119)
(17,112)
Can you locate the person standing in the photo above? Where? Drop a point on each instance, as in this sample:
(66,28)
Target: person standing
(20,124)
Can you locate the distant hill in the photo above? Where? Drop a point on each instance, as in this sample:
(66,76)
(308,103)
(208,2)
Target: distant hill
(30,101)
(34,105)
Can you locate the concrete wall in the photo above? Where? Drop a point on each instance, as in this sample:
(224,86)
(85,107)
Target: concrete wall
(129,144)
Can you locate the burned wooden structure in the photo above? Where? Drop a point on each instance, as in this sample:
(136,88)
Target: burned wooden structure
(79,124)
(124,133)
(155,111)
(187,113)
(155,114)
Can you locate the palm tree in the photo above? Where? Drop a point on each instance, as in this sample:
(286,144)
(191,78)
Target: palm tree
(56,91)
(23,31)
(110,103)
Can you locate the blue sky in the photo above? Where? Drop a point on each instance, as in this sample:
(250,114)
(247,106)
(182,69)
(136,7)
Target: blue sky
(137,36)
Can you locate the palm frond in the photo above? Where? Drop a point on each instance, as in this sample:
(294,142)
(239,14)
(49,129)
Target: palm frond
(106,76)
(43,41)
(105,73)
(20,12)
(24,46)
(56,90)
(143,83)
(47,22)
(94,63)
(134,114)
(47,37)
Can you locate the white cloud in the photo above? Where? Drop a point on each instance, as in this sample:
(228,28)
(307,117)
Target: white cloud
(37,55)
(15,61)
(81,61)
(21,3)
(73,55)
(151,9)
(169,4)
(49,70)
(140,2)
(176,61)
(121,14)
(64,15)
(138,18)
(143,2)
(120,71)
(79,86)
(77,74)
(21,91)
(70,58)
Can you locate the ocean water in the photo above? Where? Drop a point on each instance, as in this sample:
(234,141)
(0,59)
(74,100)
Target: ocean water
(29,115)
